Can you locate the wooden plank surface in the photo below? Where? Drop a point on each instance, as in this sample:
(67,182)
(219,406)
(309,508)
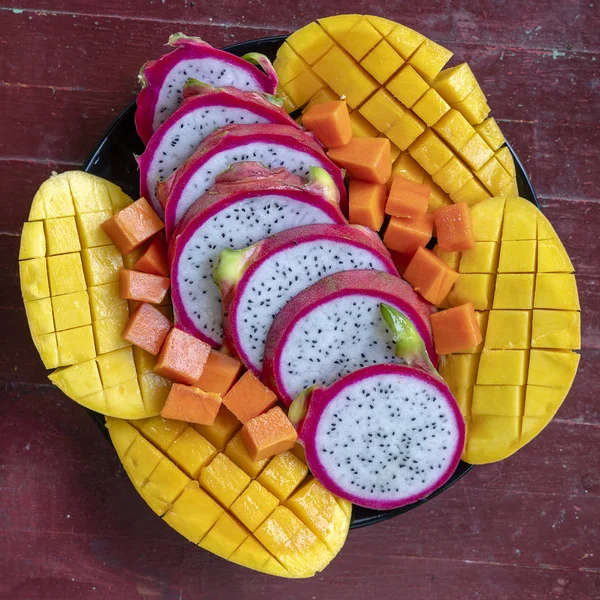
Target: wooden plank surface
(71,524)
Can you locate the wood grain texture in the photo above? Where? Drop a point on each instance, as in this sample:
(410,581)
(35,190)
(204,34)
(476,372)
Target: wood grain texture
(71,524)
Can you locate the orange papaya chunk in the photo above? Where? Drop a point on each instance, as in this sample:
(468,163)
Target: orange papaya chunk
(407,198)
(268,434)
(182,357)
(367,202)
(430,276)
(453,226)
(143,287)
(249,397)
(191,404)
(330,122)
(406,235)
(219,373)
(147,328)
(154,258)
(365,158)
(455,329)
(132,226)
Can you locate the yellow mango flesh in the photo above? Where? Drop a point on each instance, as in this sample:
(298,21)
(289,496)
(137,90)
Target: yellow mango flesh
(520,279)
(222,509)
(68,271)
(394,77)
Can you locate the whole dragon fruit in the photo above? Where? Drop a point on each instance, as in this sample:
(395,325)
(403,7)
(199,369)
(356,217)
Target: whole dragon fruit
(272,145)
(163,79)
(383,436)
(204,110)
(335,327)
(257,282)
(247,203)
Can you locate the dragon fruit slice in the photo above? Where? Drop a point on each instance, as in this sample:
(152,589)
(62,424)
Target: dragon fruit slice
(163,79)
(247,203)
(257,282)
(381,437)
(272,145)
(200,114)
(335,327)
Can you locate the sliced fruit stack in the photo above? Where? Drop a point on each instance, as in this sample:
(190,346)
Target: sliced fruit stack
(291,324)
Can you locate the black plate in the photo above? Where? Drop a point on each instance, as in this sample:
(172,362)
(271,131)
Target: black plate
(113,159)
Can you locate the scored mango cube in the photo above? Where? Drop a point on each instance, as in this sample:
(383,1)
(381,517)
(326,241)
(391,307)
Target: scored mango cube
(116,367)
(407,85)
(456,83)
(474,107)
(493,175)
(508,329)
(191,452)
(90,232)
(125,399)
(90,193)
(108,334)
(430,152)
(283,474)
(454,129)
(48,349)
(520,219)
(360,126)
(360,39)
(382,62)
(225,537)
(408,167)
(475,152)
(381,110)
(552,257)
(154,390)
(491,438)
(384,26)
(140,460)
(431,107)
(75,345)
(65,272)
(303,87)
(78,380)
(33,240)
(556,290)
(542,401)
(477,288)
(459,370)
(237,452)
(163,486)
(102,264)
(162,432)
(514,290)
(545,231)
(552,368)
(61,235)
(194,513)
(502,367)
(310,42)
(517,256)
(55,194)
(406,130)
(429,59)
(556,329)
(338,25)
(251,554)
(482,258)
(486,220)
(254,505)
(506,400)
(404,40)
(33,275)
(452,176)
(438,197)
(506,160)
(471,193)
(39,316)
(106,303)
(226,425)
(71,310)
(288,64)
(491,133)
(224,480)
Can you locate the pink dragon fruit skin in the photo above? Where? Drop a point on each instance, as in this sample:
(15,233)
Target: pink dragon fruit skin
(271,145)
(294,260)
(199,115)
(366,448)
(163,79)
(270,200)
(356,335)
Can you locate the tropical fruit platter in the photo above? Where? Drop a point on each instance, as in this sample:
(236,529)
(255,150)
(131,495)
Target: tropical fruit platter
(323,292)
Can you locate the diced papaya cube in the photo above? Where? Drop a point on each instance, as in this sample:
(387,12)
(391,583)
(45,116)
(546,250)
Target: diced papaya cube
(456,83)
(220,373)
(514,291)
(310,42)
(303,87)
(459,370)
(381,110)
(486,220)
(556,329)
(251,554)
(324,95)
(194,513)
(508,330)
(552,368)
(366,203)
(474,107)
(430,152)
(452,259)
(455,329)
(237,452)
(90,229)
(249,397)
(406,235)
(254,505)
(330,122)
(144,287)
(430,276)
(431,107)
(39,316)
(453,226)
(283,475)
(182,357)
(520,219)
(133,225)
(33,241)
(407,85)
(101,264)
(147,328)
(79,380)
(223,480)
(454,129)
(477,288)
(407,167)
(453,175)
(360,39)
(517,256)
(471,193)
(75,345)
(482,258)
(491,133)
(382,62)
(493,175)
(191,451)
(191,404)
(407,198)
(61,235)
(476,152)
(222,430)
(502,367)
(268,434)
(364,158)
(360,126)
(552,257)
(154,258)
(406,130)
(65,272)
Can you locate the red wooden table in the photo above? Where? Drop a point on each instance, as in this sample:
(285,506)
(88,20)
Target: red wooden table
(71,525)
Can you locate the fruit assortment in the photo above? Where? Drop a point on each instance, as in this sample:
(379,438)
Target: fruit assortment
(243,325)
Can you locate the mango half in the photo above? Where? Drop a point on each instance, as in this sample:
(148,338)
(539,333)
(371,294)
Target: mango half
(520,280)
(69,282)
(269,516)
